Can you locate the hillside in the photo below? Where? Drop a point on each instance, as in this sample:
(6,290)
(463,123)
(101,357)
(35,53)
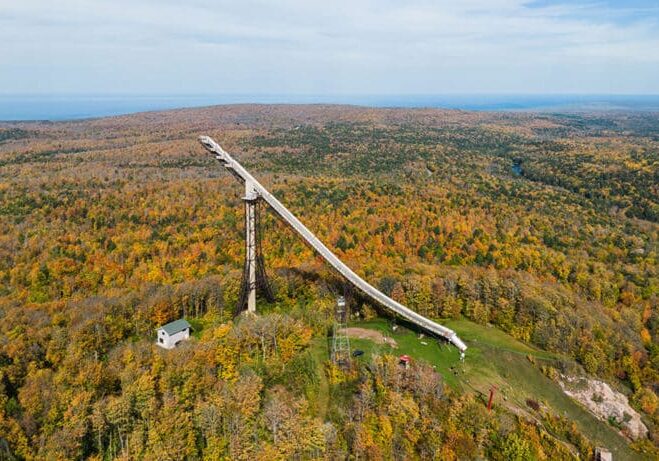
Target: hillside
(533,235)
(515,368)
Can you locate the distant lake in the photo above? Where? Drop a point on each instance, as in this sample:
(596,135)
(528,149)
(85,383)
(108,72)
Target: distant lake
(68,107)
(517,168)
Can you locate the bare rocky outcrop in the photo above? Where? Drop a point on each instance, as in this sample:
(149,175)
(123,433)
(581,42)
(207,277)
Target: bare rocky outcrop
(605,403)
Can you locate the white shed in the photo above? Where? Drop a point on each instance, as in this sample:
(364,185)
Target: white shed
(602,454)
(173,333)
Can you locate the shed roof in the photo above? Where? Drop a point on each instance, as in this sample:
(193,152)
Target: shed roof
(175,326)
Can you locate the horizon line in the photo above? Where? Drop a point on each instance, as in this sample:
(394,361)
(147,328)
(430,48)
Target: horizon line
(272,94)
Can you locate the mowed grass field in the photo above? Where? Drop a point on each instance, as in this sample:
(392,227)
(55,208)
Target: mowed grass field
(493,358)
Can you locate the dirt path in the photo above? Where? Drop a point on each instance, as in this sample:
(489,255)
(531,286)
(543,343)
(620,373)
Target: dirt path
(373,335)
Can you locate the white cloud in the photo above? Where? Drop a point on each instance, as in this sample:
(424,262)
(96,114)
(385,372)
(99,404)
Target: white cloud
(344,46)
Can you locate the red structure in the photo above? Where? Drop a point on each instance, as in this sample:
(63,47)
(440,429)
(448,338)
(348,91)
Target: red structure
(405,360)
(489,402)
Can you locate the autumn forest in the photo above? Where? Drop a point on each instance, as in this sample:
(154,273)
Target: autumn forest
(542,228)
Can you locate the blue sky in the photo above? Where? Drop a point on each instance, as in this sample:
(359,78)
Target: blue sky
(329,47)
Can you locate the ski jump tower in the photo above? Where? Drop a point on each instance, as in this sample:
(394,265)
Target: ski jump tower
(254,272)
(254,277)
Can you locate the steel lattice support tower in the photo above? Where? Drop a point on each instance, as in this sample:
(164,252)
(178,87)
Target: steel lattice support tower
(340,342)
(254,276)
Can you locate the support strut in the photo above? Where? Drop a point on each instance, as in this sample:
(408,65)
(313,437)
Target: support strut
(254,275)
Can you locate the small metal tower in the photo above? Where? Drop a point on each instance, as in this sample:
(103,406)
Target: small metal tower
(340,341)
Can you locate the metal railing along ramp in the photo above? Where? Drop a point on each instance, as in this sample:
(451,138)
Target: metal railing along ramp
(373,293)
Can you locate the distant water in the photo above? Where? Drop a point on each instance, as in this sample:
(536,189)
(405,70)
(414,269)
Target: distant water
(64,107)
(517,168)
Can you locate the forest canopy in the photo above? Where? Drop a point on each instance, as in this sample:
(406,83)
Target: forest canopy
(544,226)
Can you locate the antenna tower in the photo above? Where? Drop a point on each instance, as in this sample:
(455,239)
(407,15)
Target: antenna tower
(340,341)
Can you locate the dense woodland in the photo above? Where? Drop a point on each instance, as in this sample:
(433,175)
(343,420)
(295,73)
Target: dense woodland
(544,226)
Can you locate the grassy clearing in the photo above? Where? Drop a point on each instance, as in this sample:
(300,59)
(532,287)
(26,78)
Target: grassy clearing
(444,358)
(518,380)
(474,334)
(495,358)
(319,352)
(198,326)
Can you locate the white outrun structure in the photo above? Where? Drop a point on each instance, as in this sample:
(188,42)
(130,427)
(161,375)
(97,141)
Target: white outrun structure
(173,333)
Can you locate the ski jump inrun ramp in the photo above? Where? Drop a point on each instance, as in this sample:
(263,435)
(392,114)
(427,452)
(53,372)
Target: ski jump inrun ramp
(254,187)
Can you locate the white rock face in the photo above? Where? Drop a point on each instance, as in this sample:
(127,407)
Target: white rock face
(605,403)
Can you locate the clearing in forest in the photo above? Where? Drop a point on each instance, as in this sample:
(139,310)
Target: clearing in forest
(373,335)
(494,357)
